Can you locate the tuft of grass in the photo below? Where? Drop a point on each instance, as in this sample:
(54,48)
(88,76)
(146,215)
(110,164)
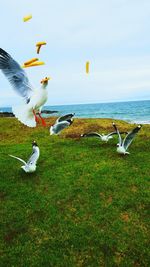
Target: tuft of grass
(84,206)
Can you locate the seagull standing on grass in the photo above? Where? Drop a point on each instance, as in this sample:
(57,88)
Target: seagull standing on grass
(30,165)
(33,99)
(124,144)
(61,123)
(102,137)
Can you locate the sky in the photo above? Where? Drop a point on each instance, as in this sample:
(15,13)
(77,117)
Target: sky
(112,34)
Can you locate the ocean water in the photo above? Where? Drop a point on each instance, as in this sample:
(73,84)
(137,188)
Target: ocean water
(132,111)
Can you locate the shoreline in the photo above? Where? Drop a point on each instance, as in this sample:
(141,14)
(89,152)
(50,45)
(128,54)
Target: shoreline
(137,112)
(7,114)
(11,115)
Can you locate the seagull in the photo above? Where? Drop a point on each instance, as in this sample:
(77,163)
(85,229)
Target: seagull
(103,137)
(30,165)
(123,145)
(61,123)
(33,99)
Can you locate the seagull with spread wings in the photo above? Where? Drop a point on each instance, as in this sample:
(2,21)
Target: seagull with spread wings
(61,123)
(123,145)
(102,137)
(33,99)
(30,165)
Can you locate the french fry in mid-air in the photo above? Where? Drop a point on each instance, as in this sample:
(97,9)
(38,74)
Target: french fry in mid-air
(26,18)
(37,63)
(38,45)
(31,61)
(87,67)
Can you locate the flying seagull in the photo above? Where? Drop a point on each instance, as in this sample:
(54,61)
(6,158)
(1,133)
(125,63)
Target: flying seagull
(61,123)
(33,99)
(102,137)
(123,145)
(30,165)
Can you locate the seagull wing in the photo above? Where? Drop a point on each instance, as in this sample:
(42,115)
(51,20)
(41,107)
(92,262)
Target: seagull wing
(112,133)
(16,75)
(18,159)
(117,131)
(91,135)
(34,156)
(60,126)
(65,117)
(130,136)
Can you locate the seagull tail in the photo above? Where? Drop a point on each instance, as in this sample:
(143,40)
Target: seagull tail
(25,115)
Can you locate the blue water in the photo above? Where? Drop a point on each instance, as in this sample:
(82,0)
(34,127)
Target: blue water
(133,111)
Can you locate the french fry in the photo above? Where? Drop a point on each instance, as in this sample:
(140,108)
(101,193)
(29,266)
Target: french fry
(31,61)
(38,63)
(26,18)
(38,49)
(87,67)
(38,45)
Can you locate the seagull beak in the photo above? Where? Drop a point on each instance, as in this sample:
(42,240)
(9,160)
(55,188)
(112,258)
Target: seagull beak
(34,143)
(45,80)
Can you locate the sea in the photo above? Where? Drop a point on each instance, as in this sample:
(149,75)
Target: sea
(131,111)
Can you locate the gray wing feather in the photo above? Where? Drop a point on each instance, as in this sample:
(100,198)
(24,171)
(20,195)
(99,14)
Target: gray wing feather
(117,131)
(93,134)
(65,117)
(15,75)
(34,156)
(60,126)
(18,159)
(112,133)
(130,136)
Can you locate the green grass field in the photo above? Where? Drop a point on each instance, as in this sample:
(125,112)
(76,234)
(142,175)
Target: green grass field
(84,206)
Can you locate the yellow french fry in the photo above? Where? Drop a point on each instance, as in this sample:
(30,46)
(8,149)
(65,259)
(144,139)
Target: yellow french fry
(38,63)
(26,18)
(38,49)
(40,43)
(31,61)
(87,66)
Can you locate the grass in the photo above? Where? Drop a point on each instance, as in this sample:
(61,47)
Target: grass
(84,206)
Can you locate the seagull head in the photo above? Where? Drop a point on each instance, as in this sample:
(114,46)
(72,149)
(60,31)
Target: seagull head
(45,81)
(34,143)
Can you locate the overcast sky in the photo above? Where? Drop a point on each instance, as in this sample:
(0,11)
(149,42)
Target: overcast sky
(114,35)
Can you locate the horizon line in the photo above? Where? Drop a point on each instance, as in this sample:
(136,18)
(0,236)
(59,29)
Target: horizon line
(104,102)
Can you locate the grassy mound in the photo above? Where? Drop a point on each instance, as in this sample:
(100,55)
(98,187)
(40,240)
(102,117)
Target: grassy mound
(84,206)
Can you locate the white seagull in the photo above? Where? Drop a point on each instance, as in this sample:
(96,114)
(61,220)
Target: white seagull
(30,165)
(123,145)
(61,123)
(102,137)
(33,99)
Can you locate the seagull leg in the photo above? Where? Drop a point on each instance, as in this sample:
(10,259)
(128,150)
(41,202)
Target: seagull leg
(36,117)
(43,121)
